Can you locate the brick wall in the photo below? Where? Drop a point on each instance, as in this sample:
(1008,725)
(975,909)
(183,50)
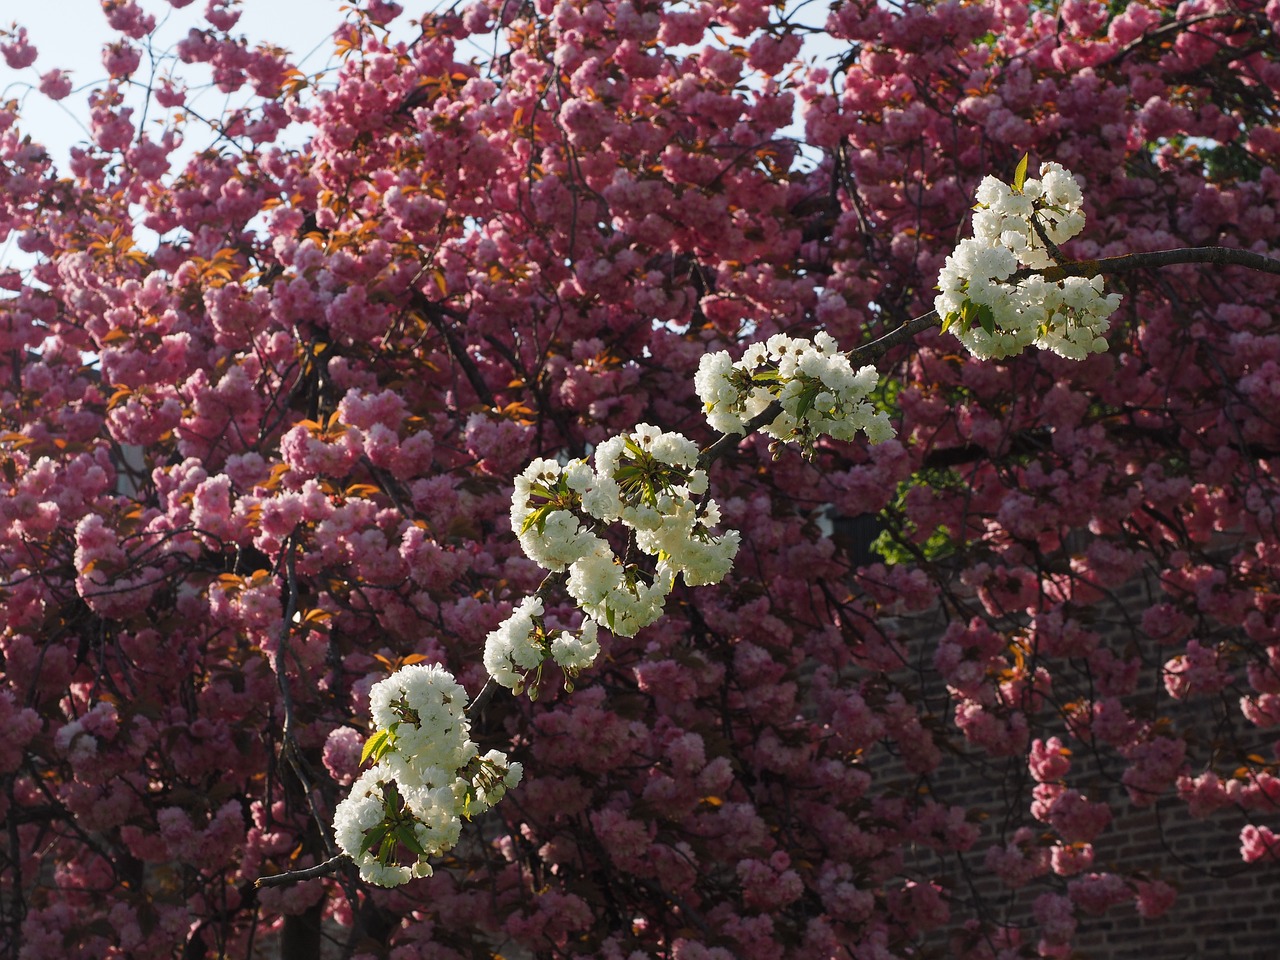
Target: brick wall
(1226,909)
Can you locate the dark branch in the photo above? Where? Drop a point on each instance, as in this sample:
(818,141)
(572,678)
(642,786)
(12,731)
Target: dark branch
(1081,268)
(1226,256)
(325,869)
(436,316)
(482,698)
(878,348)
(730,440)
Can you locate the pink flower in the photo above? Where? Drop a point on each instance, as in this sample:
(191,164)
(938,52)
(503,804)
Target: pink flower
(121,59)
(125,16)
(1154,898)
(18,52)
(342,751)
(1049,760)
(1257,843)
(56,84)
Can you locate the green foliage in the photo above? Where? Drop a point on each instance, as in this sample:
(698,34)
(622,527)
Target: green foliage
(379,745)
(969,312)
(1229,162)
(885,396)
(1020,174)
(901,541)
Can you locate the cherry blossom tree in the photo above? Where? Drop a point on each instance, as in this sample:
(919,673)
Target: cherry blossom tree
(271,378)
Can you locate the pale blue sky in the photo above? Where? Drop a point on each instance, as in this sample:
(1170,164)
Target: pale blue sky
(69,35)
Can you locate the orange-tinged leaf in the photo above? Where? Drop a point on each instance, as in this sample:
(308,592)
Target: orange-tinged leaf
(120,396)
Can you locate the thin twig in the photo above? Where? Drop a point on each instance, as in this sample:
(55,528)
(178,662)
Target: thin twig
(327,868)
(482,698)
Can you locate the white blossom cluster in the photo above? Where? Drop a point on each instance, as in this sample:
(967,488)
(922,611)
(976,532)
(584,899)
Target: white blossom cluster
(649,482)
(819,390)
(522,642)
(428,775)
(994,318)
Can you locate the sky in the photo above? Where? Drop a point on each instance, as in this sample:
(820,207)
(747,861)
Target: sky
(69,35)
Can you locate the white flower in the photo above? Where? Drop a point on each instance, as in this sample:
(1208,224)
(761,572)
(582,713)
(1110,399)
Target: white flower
(675,449)
(425,707)
(511,651)
(436,810)
(594,577)
(720,398)
(556,541)
(362,810)
(991,191)
(578,475)
(602,498)
(995,319)
(603,591)
(575,652)
(494,776)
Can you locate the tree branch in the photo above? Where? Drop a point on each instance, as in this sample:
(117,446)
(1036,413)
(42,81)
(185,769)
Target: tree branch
(1229,256)
(729,440)
(878,348)
(1129,262)
(435,315)
(327,868)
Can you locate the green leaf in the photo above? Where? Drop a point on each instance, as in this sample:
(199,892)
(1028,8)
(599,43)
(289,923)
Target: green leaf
(392,796)
(987,319)
(388,848)
(374,837)
(542,490)
(405,834)
(947,321)
(535,516)
(627,473)
(807,396)
(374,746)
(1020,174)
